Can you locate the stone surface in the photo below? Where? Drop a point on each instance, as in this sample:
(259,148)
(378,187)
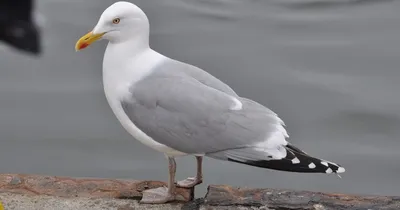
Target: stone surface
(12,201)
(81,187)
(221,195)
(33,192)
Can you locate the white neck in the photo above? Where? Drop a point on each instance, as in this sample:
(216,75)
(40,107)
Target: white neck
(125,63)
(132,45)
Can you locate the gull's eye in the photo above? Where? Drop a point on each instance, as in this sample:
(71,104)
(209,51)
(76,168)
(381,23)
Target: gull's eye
(116,20)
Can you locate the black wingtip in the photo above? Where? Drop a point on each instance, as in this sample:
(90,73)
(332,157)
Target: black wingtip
(296,161)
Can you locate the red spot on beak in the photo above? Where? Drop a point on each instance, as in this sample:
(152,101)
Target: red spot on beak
(83,45)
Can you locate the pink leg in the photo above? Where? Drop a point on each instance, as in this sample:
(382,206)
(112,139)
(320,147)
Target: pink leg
(193,181)
(162,194)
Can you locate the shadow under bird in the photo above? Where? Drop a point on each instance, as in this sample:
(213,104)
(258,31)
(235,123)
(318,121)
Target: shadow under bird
(179,109)
(17,28)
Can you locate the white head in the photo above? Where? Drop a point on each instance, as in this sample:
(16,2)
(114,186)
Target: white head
(120,22)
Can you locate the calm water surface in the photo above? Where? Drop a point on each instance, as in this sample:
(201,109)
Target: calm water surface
(329,68)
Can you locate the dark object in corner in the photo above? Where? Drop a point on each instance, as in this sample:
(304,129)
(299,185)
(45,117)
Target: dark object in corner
(17,27)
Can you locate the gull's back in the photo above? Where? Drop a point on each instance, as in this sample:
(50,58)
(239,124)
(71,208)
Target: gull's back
(173,68)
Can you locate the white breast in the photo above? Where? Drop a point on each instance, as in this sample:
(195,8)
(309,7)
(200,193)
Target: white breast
(118,76)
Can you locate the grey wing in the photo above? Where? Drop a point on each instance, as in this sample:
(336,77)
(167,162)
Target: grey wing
(188,116)
(174,67)
(209,80)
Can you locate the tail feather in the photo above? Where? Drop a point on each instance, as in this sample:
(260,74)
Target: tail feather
(295,160)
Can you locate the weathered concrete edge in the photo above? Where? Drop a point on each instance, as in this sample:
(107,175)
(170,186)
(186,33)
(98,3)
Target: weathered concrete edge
(32,192)
(281,199)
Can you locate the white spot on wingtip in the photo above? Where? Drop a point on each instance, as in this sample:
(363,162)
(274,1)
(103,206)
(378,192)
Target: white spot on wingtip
(295,160)
(328,171)
(341,170)
(238,105)
(324,163)
(311,165)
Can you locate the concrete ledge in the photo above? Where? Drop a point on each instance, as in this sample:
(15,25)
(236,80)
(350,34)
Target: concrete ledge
(296,200)
(34,192)
(79,187)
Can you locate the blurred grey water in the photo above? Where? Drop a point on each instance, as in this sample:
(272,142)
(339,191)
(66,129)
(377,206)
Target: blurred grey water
(329,68)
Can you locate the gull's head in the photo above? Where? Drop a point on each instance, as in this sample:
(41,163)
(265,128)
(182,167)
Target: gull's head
(120,22)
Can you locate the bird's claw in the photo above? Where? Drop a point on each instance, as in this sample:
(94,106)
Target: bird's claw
(189,182)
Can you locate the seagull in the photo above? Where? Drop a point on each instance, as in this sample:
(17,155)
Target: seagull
(181,110)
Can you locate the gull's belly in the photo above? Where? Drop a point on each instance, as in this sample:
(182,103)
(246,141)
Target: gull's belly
(116,86)
(136,132)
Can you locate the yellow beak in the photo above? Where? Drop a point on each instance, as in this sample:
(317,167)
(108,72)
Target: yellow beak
(87,40)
